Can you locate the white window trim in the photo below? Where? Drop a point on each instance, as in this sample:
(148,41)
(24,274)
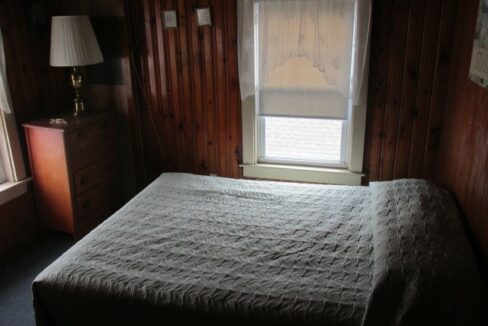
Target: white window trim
(13,162)
(352,175)
(11,190)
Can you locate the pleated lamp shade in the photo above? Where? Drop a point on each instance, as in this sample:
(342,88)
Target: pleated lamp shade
(73,42)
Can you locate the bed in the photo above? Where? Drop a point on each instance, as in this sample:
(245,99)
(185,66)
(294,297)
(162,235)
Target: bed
(197,250)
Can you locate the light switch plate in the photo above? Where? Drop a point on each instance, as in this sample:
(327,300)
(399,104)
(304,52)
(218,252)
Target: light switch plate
(203,17)
(170,19)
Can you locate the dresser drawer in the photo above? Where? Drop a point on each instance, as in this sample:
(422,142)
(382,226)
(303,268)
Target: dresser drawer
(74,170)
(97,134)
(97,196)
(86,157)
(91,175)
(93,219)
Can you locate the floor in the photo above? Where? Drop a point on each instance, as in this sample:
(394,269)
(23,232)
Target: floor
(17,274)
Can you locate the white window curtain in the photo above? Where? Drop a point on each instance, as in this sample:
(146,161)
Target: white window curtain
(5,101)
(10,151)
(297,56)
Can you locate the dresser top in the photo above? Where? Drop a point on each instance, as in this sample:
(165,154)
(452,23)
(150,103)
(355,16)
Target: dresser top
(71,123)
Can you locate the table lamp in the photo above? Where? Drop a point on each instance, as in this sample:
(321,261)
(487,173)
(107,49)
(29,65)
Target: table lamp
(74,44)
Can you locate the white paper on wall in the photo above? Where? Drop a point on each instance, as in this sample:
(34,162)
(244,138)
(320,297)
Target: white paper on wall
(478,72)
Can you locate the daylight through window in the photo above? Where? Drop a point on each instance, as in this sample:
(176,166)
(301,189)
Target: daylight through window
(303,55)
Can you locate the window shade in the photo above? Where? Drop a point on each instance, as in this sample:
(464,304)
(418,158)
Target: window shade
(302,44)
(295,102)
(304,57)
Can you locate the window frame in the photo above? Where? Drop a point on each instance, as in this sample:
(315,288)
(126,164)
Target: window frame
(15,183)
(348,174)
(3,178)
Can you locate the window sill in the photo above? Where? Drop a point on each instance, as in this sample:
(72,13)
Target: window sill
(12,190)
(302,174)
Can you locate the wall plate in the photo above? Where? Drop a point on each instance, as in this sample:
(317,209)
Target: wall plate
(203,17)
(170,19)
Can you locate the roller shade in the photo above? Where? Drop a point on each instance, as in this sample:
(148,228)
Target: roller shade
(312,103)
(303,57)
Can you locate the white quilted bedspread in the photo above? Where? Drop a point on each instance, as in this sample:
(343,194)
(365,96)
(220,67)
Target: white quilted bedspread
(261,250)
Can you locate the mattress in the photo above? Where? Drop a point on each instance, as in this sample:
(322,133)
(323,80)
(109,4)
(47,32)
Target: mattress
(213,251)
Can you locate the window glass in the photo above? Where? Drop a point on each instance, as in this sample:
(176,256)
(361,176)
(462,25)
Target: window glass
(304,140)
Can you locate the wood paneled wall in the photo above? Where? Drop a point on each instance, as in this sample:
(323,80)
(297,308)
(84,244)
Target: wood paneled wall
(463,159)
(18,224)
(39,90)
(410,57)
(35,92)
(185,113)
(190,122)
(425,118)
(35,86)
(190,117)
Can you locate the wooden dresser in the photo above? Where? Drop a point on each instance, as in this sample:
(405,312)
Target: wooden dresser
(75,171)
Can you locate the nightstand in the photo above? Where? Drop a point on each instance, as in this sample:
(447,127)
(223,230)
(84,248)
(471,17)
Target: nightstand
(75,171)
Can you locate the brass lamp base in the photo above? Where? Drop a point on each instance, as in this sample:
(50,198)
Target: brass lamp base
(79,108)
(77,83)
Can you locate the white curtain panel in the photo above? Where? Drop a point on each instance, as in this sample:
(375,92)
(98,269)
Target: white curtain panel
(5,101)
(362,32)
(302,51)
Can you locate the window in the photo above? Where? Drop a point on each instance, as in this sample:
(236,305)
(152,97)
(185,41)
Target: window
(301,67)
(13,181)
(11,162)
(303,80)
(12,172)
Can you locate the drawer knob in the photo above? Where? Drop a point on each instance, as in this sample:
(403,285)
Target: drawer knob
(86,205)
(83,180)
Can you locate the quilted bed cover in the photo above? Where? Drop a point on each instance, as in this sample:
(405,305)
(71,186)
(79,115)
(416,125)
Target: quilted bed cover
(213,251)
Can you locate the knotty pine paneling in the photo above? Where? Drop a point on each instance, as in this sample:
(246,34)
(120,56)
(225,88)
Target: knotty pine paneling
(39,90)
(463,157)
(189,115)
(18,224)
(409,70)
(36,91)
(425,118)
(190,120)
